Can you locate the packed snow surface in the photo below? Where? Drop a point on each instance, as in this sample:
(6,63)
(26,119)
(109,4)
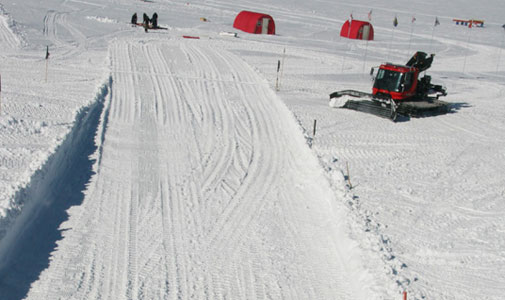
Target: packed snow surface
(140,165)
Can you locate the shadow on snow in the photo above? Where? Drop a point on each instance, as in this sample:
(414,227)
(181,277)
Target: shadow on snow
(26,249)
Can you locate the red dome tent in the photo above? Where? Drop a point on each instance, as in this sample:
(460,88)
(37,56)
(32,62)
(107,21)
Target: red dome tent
(253,22)
(359,30)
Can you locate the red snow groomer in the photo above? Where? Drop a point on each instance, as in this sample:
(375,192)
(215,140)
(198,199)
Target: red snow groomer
(397,90)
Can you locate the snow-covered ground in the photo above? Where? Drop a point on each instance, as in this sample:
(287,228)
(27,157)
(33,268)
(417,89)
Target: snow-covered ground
(149,166)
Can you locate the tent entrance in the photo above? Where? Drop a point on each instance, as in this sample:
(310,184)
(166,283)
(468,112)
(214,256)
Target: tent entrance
(264,25)
(366,32)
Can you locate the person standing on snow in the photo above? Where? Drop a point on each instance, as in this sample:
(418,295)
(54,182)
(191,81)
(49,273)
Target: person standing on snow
(134,19)
(154,20)
(146,20)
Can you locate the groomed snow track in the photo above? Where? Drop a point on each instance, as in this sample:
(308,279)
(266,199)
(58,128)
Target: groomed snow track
(204,188)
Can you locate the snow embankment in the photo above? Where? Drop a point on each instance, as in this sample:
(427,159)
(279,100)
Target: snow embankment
(43,204)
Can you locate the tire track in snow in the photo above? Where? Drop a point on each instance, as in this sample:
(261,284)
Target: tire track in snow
(181,215)
(63,34)
(149,102)
(171,90)
(180,229)
(213,173)
(216,179)
(235,213)
(162,87)
(226,127)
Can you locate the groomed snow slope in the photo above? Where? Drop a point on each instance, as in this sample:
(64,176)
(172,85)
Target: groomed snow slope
(204,188)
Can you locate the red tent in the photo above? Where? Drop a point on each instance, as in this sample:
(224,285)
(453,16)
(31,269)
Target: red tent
(360,30)
(253,22)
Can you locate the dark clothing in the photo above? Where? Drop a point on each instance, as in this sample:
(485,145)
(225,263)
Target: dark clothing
(134,18)
(154,20)
(146,20)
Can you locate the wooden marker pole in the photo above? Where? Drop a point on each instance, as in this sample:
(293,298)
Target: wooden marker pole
(314,130)
(348,176)
(47,60)
(282,67)
(277,80)
(46,70)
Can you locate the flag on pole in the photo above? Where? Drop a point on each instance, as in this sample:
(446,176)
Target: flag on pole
(395,21)
(413,19)
(436,21)
(47,52)
(370,16)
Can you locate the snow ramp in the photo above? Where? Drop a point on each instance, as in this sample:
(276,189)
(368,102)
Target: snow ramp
(204,188)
